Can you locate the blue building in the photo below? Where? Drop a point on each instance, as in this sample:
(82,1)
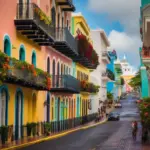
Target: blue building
(113,57)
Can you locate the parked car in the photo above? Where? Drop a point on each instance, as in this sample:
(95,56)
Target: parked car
(118,105)
(114,116)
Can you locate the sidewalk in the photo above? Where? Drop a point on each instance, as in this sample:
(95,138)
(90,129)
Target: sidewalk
(30,141)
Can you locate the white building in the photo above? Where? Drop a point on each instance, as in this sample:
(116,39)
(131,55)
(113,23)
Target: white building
(99,76)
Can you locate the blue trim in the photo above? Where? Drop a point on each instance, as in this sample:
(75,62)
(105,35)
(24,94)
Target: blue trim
(23,56)
(19,90)
(33,58)
(5,87)
(8,47)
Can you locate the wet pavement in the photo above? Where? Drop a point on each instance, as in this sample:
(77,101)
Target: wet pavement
(113,135)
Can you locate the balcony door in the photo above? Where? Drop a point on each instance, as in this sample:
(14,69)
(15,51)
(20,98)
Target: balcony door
(53,16)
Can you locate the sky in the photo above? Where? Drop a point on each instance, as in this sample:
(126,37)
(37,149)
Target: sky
(120,20)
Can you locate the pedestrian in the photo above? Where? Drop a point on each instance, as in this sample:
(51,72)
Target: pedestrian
(134,129)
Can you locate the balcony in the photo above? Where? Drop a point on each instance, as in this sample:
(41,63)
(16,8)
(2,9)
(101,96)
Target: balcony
(33,23)
(105,57)
(66,43)
(65,84)
(110,75)
(146,55)
(66,5)
(87,87)
(105,76)
(21,73)
(87,55)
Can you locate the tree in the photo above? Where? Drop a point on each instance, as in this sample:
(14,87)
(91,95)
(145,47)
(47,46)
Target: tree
(136,81)
(122,81)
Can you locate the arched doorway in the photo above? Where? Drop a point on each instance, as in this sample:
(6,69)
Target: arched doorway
(78,107)
(52,109)
(3,107)
(18,114)
(53,15)
(34,107)
(48,108)
(7,46)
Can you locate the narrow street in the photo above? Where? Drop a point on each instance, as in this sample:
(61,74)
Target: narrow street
(114,135)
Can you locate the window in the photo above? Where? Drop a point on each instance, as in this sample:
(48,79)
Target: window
(7,46)
(53,73)
(58,20)
(34,59)
(48,65)
(62,22)
(22,54)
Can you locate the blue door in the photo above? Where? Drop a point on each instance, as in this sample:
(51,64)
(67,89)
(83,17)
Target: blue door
(18,115)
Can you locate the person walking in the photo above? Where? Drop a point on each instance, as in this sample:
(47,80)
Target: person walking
(134,129)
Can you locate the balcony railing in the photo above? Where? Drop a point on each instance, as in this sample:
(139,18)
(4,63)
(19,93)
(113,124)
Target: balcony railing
(105,56)
(89,87)
(32,22)
(110,74)
(21,73)
(66,5)
(65,83)
(66,43)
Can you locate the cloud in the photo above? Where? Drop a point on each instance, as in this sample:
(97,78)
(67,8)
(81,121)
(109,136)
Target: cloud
(125,44)
(128,14)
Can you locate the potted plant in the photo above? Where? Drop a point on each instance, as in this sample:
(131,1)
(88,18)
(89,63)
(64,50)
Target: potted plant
(4,133)
(47,128)
(34,129)
(29,129)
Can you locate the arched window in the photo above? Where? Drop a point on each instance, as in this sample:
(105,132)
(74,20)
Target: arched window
(22,53)
(48,65)
(34,59)
(7,46)
(53,73)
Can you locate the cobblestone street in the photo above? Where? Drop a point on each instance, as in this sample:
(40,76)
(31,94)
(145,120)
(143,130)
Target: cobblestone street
(114,135)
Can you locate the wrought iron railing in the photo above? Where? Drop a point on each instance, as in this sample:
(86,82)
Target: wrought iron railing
(110,74)
(63,34)
(32,12)
(65,82)
(22,73)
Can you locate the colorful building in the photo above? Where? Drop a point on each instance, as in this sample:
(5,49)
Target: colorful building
(145,50)
(81,29)
(113,57)
(42,69)
(127,74)
(100,75)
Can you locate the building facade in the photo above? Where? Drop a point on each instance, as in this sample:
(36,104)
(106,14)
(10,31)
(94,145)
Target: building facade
(113,57)
(145,51)
(44,75)
(99,75)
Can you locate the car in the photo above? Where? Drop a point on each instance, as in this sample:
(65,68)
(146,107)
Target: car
(113,116)
(118,105)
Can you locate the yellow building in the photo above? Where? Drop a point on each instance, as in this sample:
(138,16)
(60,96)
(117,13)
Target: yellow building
(80,26)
